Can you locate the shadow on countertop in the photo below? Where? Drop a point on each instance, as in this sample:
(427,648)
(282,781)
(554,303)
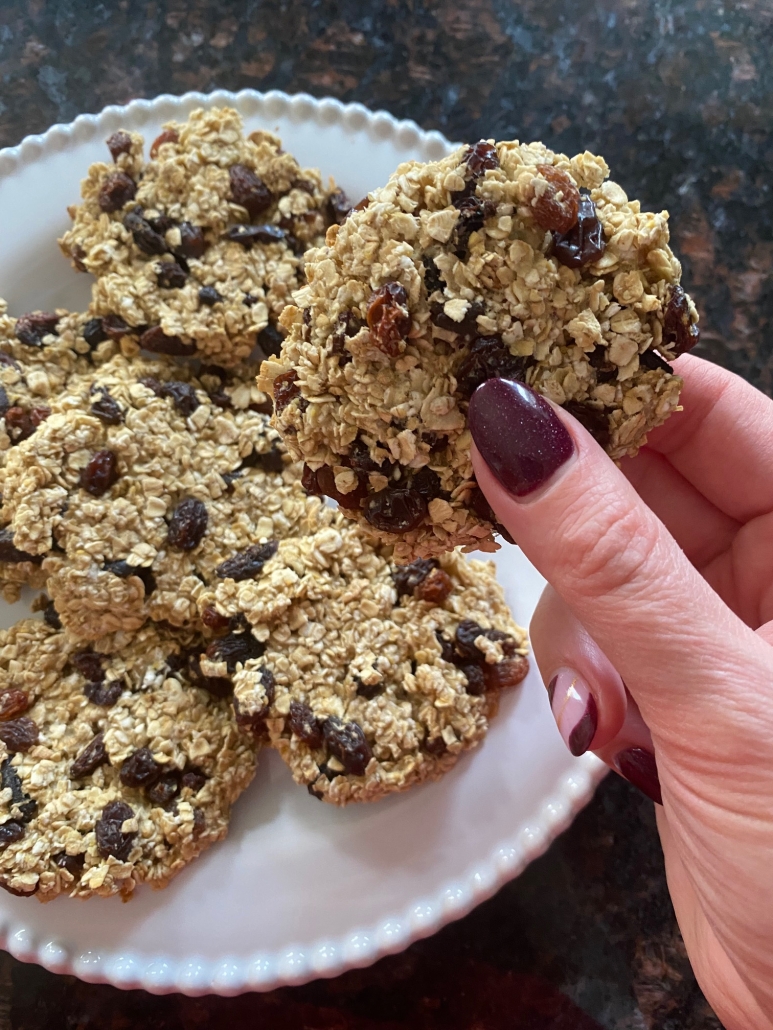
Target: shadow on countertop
(678,96)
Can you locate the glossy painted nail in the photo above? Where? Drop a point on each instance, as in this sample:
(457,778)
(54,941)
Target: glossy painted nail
(574,709)
(518,434)
(639,767)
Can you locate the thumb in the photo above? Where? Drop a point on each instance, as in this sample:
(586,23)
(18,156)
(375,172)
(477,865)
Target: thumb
(684,656)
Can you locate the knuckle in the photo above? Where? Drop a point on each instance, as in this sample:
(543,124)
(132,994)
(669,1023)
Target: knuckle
(608,549)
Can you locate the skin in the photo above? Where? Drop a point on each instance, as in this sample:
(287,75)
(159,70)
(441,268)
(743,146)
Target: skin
(661,598)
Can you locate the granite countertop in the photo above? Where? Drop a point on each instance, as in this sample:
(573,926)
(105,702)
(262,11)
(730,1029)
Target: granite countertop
(678,96)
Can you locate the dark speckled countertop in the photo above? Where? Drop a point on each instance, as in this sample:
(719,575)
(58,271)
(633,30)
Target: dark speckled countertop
(678,96)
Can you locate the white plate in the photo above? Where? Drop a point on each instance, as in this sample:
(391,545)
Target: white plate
(299,889)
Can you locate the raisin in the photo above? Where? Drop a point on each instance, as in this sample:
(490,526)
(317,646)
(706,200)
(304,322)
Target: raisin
(389,320)
(94,332)
(584,243)
(347,743)
(167,136)
(182,395)
(476,680)
(338,207)
(199,823)
(270,340)
(123,570)
(447,649)
(488,358)
(408,577)
(11,781)
(170,276)
(161,224)
(247,235)
(247,564)
(188,524)
(38,415)
(473,213)
(285,389)
(327,485)
(111,840)
(347,325)
(557,206)
(248,190)
(90,758)
(481,157)
(72,863)
(89,665)
(194,779)
(426,482)
(467,328)
(164,790)
(119,143)
(11,553)
(157,341)
(651,359)
(396,511)
(507,673)
(235,649)
(5,404)
(152,384)
(18,424)
(115,327)
(304,724)
(596,422)
(270,461)
(480,506)
(433,281)
(100,473)
(19,734)
(140,769)
(360,459)
(107,409)
(436,588)
(220,398)
(32,328)
(368,690)
(147,239)
(213,620)
(104,693)
(10,832)
(209,295)
(51,616)
(467,632)
(678,331)
(13,702)
(192,243)
(309,481)
(435,746)
(116,191)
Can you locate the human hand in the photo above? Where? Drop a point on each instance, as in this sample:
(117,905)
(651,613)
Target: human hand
(655,638)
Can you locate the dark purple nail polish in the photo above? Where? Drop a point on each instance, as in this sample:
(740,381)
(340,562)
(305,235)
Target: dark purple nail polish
(518,434)
(552,689)
(639,767)
(585,730)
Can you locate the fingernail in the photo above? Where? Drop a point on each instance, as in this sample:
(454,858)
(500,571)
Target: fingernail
(574,709)
(639,767)
(518,434)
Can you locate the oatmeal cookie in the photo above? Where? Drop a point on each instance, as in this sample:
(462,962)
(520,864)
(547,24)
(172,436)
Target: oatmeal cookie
(367,677)
(139,484)
(198,248)
(500,260)
(117,768)
(40,352)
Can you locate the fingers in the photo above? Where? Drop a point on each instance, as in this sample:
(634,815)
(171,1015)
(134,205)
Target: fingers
(701,529)
(726,425)
(592,709)
(611,560)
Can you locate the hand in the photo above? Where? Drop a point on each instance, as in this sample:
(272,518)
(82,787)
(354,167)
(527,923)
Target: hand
(655,638)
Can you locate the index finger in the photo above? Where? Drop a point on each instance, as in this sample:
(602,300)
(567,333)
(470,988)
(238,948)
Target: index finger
(722,442)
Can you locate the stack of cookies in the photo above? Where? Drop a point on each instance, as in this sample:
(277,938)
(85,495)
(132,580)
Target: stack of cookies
(199,601)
